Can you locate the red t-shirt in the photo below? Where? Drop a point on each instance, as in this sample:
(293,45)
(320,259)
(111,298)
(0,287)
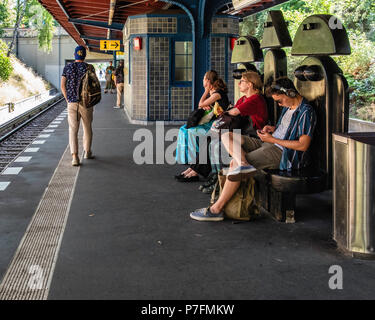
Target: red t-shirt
(255,107)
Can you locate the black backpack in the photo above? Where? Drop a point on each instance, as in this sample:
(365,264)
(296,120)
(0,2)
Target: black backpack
(194,118)
(89,88)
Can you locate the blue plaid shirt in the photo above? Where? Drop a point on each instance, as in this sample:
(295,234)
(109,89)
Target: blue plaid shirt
(302,123)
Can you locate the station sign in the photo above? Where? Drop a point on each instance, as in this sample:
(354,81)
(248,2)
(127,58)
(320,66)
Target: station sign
(119,53)
(112,45)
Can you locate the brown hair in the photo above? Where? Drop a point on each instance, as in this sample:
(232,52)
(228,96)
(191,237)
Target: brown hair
(254,78)
(212,76)
(219,84)
(281,85)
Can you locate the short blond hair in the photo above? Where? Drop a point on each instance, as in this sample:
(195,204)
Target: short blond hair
(254,78)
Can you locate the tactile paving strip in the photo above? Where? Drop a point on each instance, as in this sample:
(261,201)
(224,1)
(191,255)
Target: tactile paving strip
(30,272)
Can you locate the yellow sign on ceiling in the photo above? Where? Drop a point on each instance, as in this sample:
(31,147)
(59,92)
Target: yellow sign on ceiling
(120,53)
(112,45)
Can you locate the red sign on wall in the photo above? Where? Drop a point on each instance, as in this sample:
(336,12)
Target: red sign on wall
(232,43)
(137,42)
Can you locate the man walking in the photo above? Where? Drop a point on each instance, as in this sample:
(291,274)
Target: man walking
(119,80)
(70,82)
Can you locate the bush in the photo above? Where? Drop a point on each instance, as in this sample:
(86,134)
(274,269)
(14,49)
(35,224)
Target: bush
(5,63)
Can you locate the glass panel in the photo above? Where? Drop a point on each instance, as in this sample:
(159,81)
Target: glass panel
(183,60)
(179,47)
(190,62)
(189,47)
(180,61)
(179,75)
(189,75)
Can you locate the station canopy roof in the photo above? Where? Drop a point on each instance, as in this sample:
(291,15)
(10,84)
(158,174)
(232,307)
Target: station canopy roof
(89,21)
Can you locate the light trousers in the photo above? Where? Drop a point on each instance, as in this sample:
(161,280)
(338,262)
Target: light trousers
(76,112)
(120,90)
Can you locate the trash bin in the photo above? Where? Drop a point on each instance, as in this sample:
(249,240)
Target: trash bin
(354,193)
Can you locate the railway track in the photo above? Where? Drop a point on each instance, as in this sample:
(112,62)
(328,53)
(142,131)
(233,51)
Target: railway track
(14,140)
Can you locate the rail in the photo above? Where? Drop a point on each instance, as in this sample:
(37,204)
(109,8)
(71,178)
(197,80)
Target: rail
(16,108)
(23,124)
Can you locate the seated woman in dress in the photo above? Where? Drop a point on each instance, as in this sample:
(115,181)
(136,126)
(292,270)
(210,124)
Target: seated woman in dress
(215,91)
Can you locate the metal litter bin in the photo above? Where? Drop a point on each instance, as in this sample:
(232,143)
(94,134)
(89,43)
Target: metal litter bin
(354,193)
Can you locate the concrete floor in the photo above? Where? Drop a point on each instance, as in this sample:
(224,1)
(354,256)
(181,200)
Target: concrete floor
(129,234)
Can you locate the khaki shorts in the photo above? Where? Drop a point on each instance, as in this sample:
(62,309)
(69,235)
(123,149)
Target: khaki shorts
(262,155)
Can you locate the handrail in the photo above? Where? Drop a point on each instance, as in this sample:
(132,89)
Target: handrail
(36,97)
(7,135)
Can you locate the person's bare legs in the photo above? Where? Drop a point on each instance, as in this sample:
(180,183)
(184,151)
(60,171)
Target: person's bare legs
(230,188)
(233,144)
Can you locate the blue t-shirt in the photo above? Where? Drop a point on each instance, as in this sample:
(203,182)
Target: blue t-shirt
(73,73)
(303,122)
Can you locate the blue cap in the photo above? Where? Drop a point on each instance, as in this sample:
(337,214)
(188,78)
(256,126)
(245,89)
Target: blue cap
(80,53)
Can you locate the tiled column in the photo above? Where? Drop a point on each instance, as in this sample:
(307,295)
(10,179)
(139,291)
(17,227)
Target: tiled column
(159,78)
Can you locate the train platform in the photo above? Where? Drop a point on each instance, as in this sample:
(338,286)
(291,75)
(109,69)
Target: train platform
(112,229)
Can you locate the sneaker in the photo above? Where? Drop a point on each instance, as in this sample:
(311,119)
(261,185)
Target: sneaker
(75,162)
(241,172)
(205,214)
(88,155)
(116,107)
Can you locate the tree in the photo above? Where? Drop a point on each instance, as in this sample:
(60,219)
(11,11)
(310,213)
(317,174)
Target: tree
(4,16)
(20,11)
(30,14)
(358,17)
(39,19)
(5,63)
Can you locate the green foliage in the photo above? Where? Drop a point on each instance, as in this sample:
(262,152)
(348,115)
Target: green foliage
(37,18)
(5,63)
(4,16)
(358,18)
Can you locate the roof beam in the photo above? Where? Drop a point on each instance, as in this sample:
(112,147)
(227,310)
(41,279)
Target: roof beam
(260,7)
(96,38)
(98,24)
(61,5)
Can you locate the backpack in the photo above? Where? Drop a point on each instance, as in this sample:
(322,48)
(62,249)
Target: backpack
(89,88)
(243,205)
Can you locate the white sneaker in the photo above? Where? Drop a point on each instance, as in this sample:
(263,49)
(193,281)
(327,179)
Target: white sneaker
(88,155)
(116,107)
(75,162)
